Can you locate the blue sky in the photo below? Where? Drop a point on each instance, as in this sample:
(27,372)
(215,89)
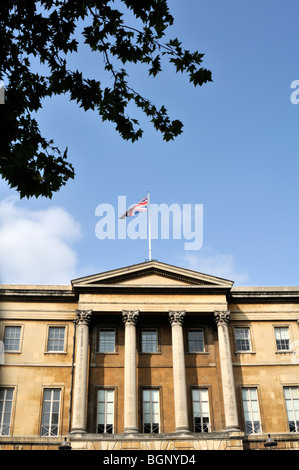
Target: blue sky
(238,157)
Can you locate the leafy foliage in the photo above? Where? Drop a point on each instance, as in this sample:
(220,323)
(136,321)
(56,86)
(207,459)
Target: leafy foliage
(46,29)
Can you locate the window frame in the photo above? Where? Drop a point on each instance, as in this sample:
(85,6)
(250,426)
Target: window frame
(20,345)
(51,413)
(64,351)
(106,389)
(141,343)
(4,411)
(196,328)
(243,351)
(280,327)
(249,388)
(207,390)
(151,390)
(106,328)
(284,387)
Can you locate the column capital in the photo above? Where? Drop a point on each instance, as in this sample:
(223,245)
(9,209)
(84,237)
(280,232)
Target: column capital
(83,317)
(130,316)
(222,318)
(177,318)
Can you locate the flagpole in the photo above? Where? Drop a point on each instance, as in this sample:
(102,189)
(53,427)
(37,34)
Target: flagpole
(149,228)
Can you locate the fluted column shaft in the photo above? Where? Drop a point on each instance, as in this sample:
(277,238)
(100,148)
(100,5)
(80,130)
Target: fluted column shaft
(179,373)
(81,372)
(130,387)
(228,385)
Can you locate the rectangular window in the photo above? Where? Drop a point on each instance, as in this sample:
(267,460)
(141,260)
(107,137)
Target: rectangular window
(201,411)
(105,411)
(12,335)
(149,341)
(51,412)
(6,401)
(251,411)
(282,339)
(151,411)
(243,342)
(195,340)
(106,340)
(56,339)
(291,395)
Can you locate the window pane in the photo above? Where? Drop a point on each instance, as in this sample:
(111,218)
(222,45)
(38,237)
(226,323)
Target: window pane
(56,395)
(101,395)
(147,427)
(155,427)
(109,407)
(147,407)
(287,392)
(109,429)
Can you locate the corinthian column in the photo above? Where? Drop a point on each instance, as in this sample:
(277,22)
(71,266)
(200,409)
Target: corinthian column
(179,373)
(80,389)
(130,399)
(228,386)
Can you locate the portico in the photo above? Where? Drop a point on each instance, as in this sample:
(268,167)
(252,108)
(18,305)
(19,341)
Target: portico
(138,297)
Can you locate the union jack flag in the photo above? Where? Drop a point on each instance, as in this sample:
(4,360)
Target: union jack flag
(140,207)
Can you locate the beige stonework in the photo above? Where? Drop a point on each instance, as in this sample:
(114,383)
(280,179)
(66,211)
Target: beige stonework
(153,289)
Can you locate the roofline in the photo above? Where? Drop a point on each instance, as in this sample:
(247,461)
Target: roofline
(251,294)
(123,272)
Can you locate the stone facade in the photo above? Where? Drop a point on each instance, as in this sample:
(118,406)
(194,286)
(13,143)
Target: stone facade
(213,363)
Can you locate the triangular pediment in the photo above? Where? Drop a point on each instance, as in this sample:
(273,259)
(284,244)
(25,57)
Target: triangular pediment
(151,273)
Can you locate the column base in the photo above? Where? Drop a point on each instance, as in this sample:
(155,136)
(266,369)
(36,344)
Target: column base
(78,431)
(182,430)
(232,429)
(130,430)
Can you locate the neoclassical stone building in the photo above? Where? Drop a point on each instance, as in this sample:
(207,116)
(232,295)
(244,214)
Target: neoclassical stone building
(150,356)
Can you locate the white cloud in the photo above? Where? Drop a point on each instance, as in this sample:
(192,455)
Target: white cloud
(207,261)
(35,246)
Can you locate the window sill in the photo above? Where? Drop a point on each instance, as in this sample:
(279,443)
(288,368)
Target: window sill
(99,353)
(55,352)
(198,353)
(12,352)
(154,353)
(245,352)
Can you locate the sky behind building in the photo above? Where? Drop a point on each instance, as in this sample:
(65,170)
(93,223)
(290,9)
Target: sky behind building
(238,158)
